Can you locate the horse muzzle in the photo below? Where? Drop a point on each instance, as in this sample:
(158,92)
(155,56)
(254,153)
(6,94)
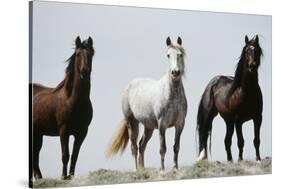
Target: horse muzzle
(175,74)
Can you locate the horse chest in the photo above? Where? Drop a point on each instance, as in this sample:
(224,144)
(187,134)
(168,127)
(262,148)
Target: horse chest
(173,111)
(244,104)
(75,115)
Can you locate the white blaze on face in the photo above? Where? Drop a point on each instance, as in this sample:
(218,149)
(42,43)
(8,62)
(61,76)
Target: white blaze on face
(175,59)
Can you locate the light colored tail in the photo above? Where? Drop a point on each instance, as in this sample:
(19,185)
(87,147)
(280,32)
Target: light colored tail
(119,140)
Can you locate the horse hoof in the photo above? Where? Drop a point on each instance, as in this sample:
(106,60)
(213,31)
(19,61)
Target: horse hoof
(202,156)
(65,177)
(37,177)
(175,167)
(162,172)
(140,168)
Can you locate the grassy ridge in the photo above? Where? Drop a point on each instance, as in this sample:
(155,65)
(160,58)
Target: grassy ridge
(199,170)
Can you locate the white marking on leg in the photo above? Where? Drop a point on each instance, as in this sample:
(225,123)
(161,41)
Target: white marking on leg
(202,155)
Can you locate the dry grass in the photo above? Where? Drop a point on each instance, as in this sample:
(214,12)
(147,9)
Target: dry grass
(202,169)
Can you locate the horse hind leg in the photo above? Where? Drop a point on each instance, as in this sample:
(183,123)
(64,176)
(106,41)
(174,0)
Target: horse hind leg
(133,131)
(142,145)
(204,130)
(206,113)
(37,145)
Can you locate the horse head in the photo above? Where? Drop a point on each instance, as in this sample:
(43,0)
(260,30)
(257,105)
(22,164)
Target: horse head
(251,54)
(84,52)
(175,55)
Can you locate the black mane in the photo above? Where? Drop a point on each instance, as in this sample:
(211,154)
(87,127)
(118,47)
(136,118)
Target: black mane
(69,71)
(240,68)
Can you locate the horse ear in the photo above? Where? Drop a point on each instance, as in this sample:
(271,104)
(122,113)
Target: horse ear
(90,42)
(246,39)
(179,41)
(257,39)
(168,41)
(78,42)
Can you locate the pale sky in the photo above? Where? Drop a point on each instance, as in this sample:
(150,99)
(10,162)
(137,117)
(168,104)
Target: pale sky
(129,44)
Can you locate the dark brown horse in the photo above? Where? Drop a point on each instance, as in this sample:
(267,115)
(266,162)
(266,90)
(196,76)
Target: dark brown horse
(237,99)
(65,110)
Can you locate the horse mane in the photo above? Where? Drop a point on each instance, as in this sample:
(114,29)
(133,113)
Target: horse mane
(240,68)
(69,75)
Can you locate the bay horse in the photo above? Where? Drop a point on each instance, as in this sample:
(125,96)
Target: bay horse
(237,99)
(65,110)
(157,104)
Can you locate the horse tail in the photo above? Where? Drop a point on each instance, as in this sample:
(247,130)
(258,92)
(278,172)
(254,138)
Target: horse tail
(206,112)
(202,132)
(119,140)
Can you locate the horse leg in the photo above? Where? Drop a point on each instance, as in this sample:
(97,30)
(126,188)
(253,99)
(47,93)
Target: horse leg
(142,145)
(228,139)
(75,151)
(240,139)
(163,149)
(133,131)
(37,145)
(64,139)
(178,131)
(257,126)
(204,130)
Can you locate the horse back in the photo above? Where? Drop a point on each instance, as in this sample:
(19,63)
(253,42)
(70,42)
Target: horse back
(38,88)
(246,103)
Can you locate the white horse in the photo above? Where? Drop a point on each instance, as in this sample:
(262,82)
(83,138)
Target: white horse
(157,104)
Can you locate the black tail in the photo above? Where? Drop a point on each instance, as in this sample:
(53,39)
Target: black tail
(205,115)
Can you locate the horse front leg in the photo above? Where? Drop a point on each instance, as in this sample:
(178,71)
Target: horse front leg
(228,139)
(240,139)
(178,131)
(64,140)
(257,126)
(76,148)
(162,132)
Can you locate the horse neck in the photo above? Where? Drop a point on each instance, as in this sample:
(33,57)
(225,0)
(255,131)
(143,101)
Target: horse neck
(249,81)
(172,88)
(80,89)
(246,81)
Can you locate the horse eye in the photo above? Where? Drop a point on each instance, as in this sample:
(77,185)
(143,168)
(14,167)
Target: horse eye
(168,55)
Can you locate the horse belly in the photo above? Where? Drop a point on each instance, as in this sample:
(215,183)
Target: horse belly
(147,119)
(44,120)
(173,118)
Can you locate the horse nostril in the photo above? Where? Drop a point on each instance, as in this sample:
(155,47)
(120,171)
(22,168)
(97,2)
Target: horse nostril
(175,72)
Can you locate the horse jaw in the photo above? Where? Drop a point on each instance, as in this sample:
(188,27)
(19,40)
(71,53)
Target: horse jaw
(202,156)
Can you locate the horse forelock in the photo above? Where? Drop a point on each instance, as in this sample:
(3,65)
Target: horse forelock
(178,48)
